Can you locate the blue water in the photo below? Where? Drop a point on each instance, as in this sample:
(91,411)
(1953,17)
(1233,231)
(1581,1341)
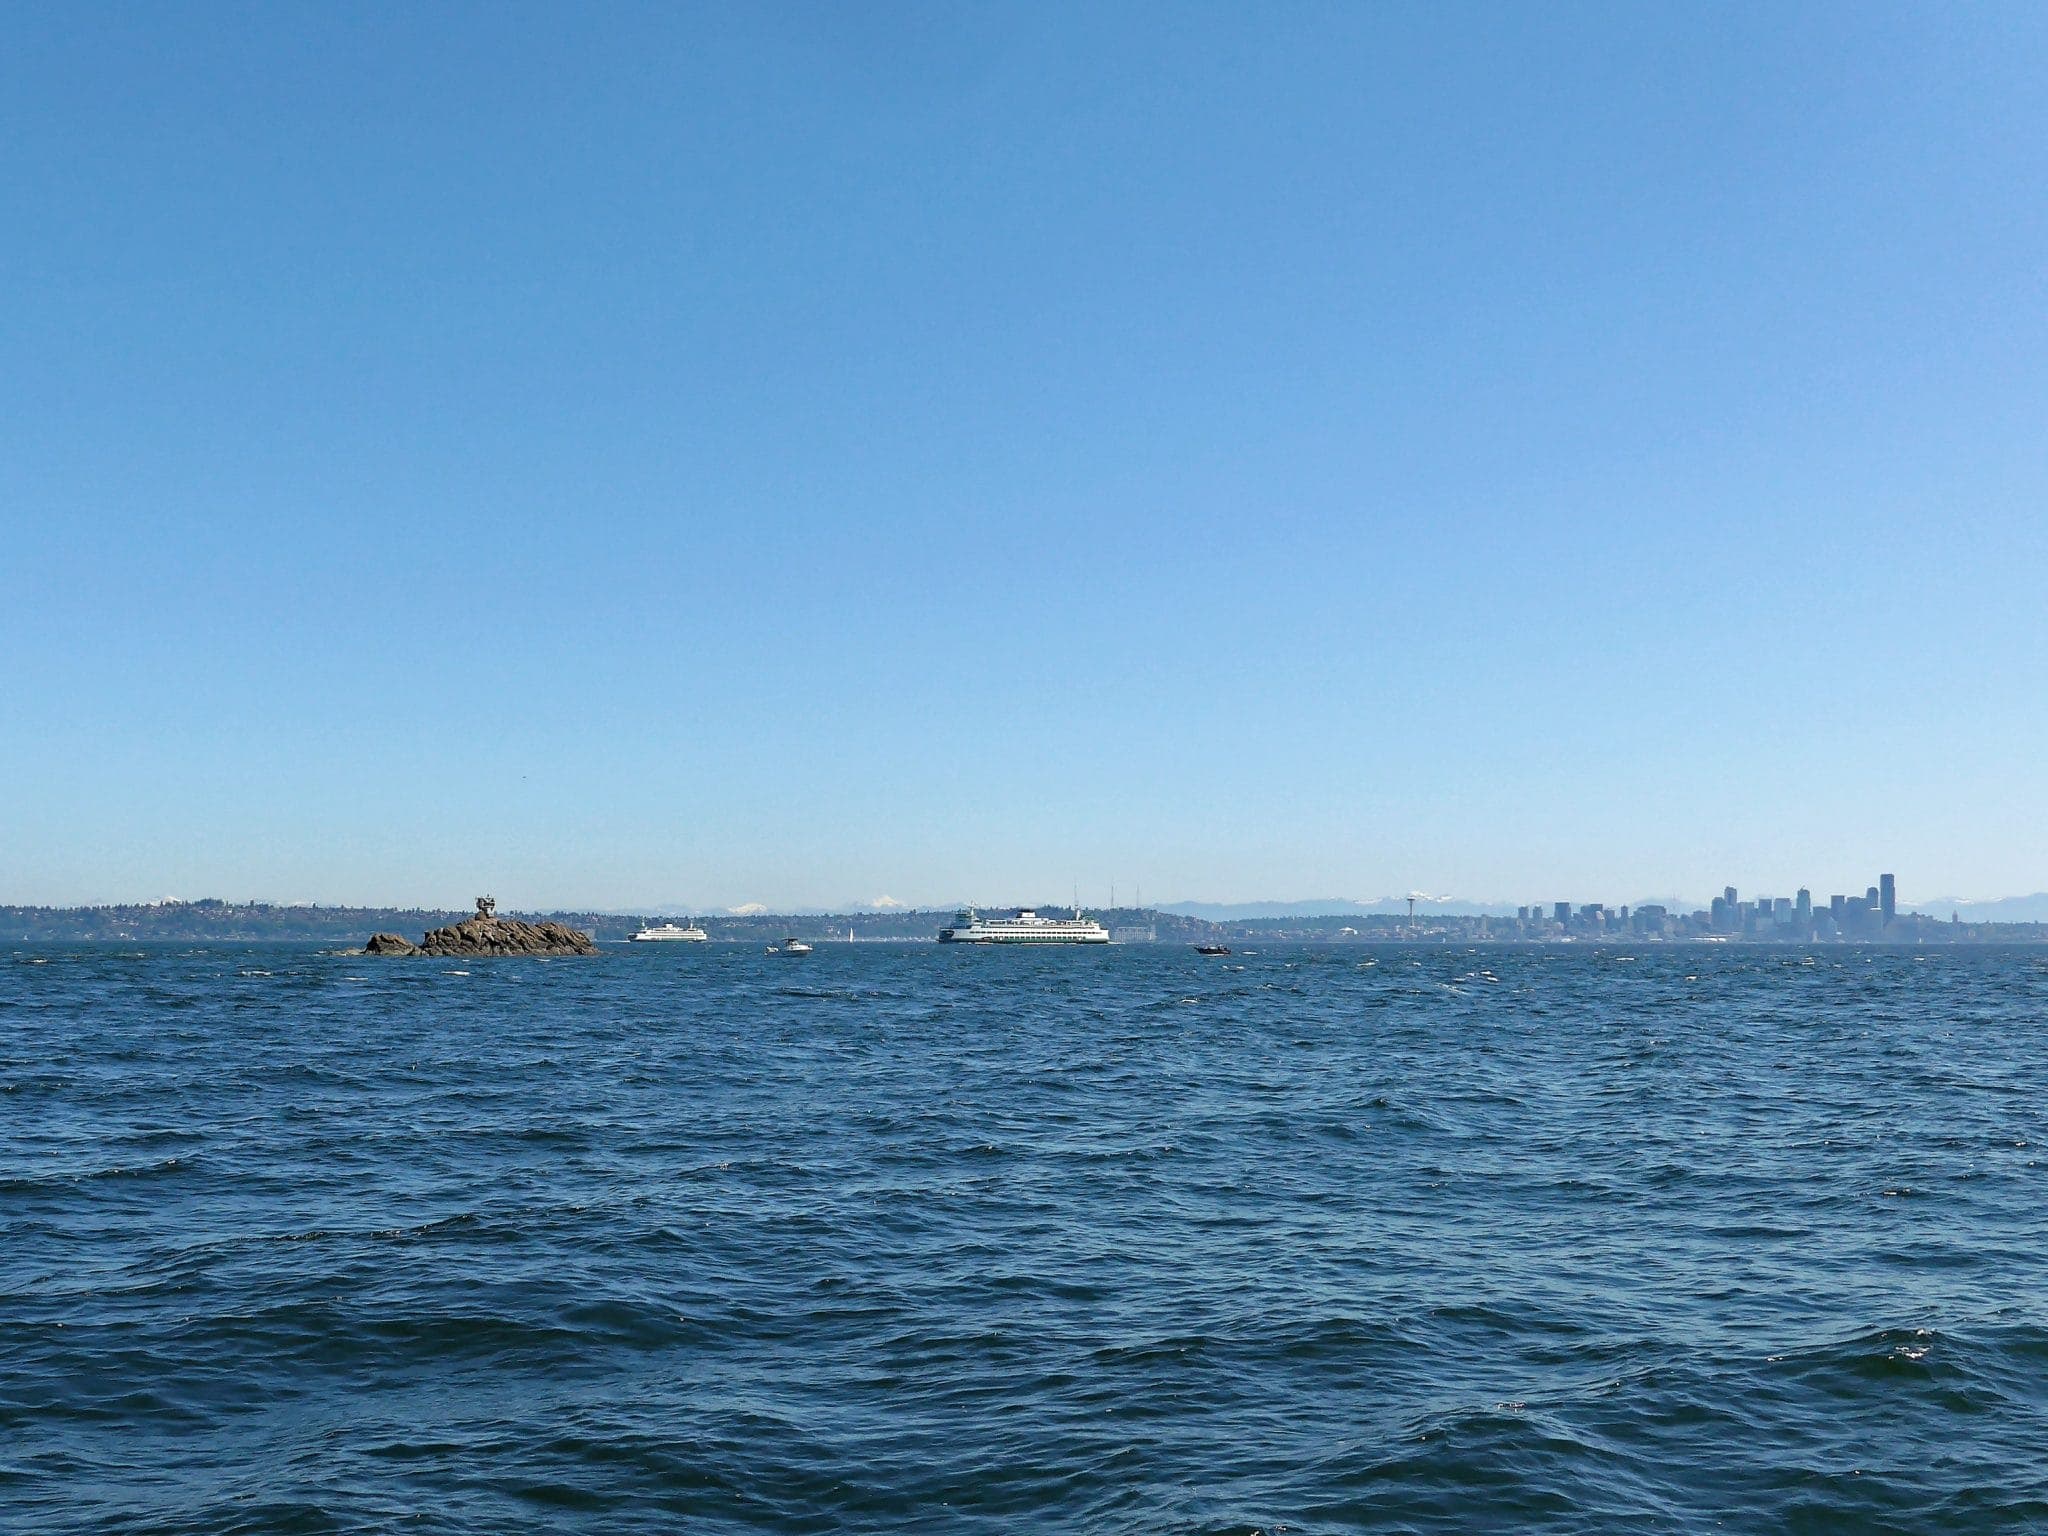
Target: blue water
(910,1238)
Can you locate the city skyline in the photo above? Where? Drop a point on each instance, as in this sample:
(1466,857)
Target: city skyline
(1873,917)
(1880,899)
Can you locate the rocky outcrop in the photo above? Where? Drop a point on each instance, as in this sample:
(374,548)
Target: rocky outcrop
(481,935)
(489,934)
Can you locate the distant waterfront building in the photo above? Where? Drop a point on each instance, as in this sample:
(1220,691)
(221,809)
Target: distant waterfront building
(1870,917)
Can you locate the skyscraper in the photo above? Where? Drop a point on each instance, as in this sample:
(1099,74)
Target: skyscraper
(1888,897)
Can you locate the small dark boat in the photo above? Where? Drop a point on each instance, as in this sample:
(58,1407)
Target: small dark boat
(1212,949)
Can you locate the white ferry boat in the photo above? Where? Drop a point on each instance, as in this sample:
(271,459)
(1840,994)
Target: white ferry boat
(1027,927)
(670,932)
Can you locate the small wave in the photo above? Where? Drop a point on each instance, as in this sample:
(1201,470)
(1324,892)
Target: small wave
(442,1226)
(118,1171)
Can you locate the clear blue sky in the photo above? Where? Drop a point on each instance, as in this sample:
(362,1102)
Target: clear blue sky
(696,455)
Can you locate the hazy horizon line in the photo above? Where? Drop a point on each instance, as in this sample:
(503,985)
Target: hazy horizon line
(1300,906)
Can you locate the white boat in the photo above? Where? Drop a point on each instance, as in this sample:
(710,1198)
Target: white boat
(1027,927)
(790,947)
(668,933)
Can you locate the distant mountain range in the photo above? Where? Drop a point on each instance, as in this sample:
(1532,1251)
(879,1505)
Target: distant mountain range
(1191,920)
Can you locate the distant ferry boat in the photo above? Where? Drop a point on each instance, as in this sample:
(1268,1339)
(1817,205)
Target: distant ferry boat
(692,934)
(1027,927)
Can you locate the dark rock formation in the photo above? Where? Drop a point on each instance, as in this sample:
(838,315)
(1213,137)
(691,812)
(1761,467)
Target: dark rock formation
(506,936)
(489,934)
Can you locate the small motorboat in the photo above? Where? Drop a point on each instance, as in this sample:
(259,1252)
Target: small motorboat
(790,947)
(1212,949)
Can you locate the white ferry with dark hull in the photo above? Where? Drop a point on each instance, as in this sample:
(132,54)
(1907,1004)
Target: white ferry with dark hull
(669,933)
(1027,927)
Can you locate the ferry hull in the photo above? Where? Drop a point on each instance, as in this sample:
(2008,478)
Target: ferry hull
(950,937)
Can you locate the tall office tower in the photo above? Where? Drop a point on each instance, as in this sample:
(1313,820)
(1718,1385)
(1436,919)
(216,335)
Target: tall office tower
(1888,900)
(1728,895)
(1562,911)
(1870,898)
(1804,907)
(1837,906)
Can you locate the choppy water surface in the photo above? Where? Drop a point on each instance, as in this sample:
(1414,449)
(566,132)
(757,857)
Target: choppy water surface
(1128,1241)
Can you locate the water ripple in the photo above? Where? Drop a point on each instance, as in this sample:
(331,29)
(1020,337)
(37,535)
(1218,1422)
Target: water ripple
(1322,1240)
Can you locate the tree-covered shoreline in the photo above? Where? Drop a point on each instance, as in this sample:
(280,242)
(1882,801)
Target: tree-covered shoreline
(215,921)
